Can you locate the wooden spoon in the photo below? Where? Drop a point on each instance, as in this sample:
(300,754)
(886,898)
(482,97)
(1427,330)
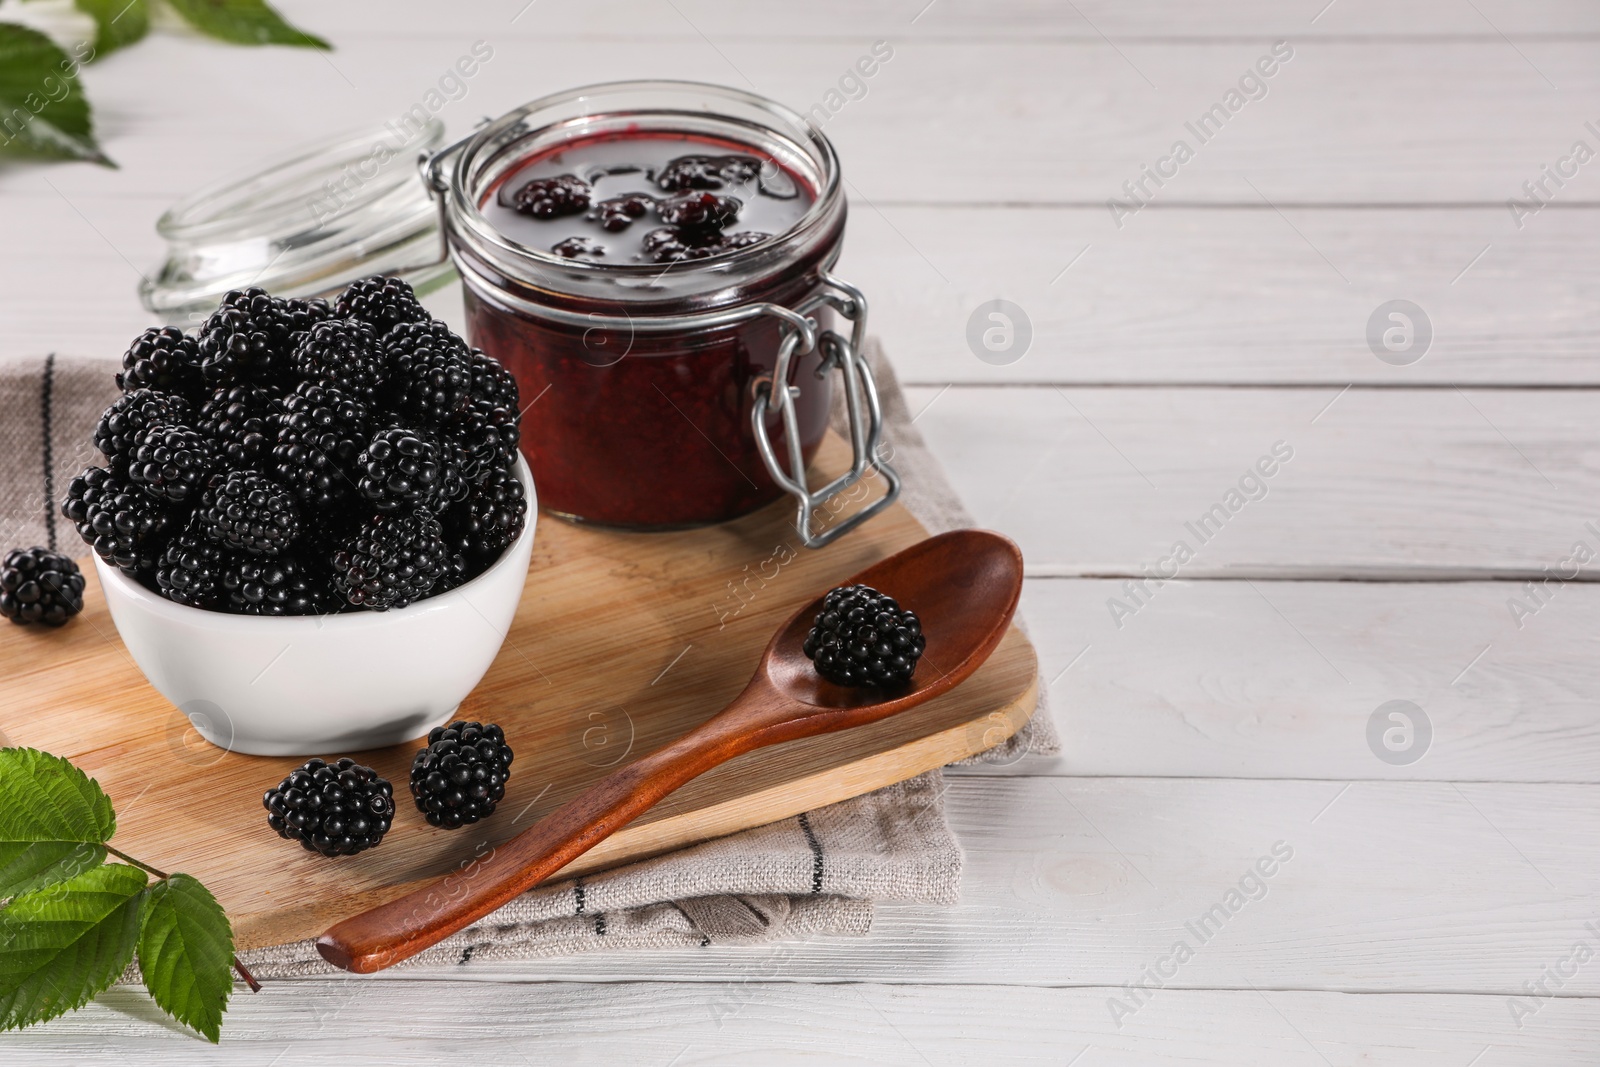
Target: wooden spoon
(963,585)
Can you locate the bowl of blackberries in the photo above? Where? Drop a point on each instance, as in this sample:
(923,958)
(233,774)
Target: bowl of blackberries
(312,523)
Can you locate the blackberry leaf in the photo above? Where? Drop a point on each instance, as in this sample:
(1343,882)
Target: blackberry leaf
(61,129)
(186,953)
(62,945)
(54,822)
(244,22)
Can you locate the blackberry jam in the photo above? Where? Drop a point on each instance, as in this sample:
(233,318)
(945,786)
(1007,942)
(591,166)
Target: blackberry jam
(649,259)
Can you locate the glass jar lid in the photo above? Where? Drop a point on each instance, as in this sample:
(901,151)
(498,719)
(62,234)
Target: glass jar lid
(307,224)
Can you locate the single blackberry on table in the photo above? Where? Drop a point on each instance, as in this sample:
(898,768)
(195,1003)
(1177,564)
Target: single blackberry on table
(243,340)
(125,527)
(618,212)
(863,638)
(706,172)
(390,560)
(491,381)
(38,585)
(343,353)
(281,585)
(243,421)
(461,775)
(321,431)
(337,809)
(406,470)
(573,247)
(672,244)
(551,198)
(382,303)
(430,372)
(172,463)
(250,513)
(699,210)
(164,358)
(190,571)
(492,516)
(134,412)
(487,436)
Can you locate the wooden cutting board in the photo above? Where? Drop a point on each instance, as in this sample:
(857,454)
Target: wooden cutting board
(622,642)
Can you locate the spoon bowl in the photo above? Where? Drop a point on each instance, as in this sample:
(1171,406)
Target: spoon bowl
(963,585)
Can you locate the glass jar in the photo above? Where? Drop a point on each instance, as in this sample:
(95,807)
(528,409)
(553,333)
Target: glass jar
(648,389)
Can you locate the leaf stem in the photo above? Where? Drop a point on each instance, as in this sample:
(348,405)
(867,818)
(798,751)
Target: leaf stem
(142,866)
(244,972)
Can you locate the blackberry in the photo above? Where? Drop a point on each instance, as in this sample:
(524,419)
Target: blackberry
(190,571)
(38,585)
(732,242)
(486,436)
(461,775)
(706,172)
(320,433)
(172,463)
(250,513)
(617,213)
(704,211)
(492,516)
(407,470)
(672,244)
(242,420)
(551,198)
(337,809)
(343,353)
(131,414)
(491,381)
(277,586)
(382,303)
(243,340)
(430,372)
(390,561)
(295,316)
(125,527)
(863,638)
(163,358)
(573,247)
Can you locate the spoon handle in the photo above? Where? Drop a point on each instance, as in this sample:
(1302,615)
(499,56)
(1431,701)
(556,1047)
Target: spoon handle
(400,929)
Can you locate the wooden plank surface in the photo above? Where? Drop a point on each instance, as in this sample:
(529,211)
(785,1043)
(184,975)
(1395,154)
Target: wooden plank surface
(728,1020)
(1382,483)
(634,635)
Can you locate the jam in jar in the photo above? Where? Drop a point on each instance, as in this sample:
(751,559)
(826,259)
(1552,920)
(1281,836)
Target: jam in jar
(649,259)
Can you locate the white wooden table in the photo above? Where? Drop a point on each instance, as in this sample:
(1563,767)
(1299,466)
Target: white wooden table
(1226,716)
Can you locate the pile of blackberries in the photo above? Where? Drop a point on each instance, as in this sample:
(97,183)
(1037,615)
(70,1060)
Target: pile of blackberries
(298,457)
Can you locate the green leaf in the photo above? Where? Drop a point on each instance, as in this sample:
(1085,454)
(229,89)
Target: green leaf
(116,22)
(244,22)
(62,945)
(186,953)
(43,111)
(54,821)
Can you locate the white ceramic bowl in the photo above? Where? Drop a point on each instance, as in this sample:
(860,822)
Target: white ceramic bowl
(323,686)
